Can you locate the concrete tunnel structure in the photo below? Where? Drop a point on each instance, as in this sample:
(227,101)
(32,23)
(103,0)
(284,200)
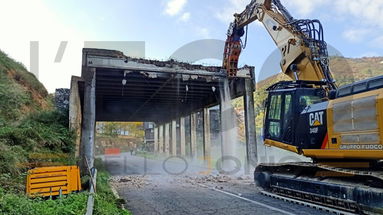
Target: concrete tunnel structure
(114,87)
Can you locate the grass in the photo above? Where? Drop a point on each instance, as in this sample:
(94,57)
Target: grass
(32,135)
(36,140)
(105,201)
(40,139)
(20,91)
(21,74)
(14,204)
(27,144)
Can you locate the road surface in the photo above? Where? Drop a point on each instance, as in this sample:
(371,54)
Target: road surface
(174,187)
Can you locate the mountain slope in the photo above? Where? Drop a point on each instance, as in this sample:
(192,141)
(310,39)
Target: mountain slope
(20,91)
(344,70)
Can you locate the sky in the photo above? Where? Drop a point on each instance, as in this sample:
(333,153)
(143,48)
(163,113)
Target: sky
(352,27)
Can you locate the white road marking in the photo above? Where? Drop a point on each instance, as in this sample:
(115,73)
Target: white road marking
(248,200)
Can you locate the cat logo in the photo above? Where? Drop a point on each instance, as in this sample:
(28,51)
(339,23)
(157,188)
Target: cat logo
(316,119)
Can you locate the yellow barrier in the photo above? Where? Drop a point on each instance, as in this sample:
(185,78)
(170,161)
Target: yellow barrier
(48,181)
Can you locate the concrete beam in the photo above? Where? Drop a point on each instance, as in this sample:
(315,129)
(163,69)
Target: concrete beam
(206,134)
(75,115)
(182,136)
(120,63)
(89,117)
(161,138)
(156,139)
(193,135)
(174,138)
(167,138)
(251,144)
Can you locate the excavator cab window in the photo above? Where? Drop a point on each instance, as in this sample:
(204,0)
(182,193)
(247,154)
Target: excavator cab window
(274,116)
(283,108)
(279,116)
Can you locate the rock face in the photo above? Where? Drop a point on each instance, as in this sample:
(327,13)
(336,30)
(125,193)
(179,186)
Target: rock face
(62,99)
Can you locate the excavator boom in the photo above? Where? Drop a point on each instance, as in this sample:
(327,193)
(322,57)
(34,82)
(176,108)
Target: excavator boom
(301,42)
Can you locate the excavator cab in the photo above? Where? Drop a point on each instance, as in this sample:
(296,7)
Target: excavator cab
(284,107)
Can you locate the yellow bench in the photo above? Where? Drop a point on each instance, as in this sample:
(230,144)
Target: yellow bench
(48,181)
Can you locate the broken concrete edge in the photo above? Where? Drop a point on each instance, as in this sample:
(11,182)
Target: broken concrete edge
(116,59)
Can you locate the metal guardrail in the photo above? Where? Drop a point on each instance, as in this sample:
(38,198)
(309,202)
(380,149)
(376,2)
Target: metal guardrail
(92,192)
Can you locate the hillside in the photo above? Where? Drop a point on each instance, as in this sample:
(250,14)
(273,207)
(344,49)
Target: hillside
(345,71)
(33,134)
(20,91)
(29,125)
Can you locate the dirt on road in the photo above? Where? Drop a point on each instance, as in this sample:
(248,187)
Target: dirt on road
(148,190)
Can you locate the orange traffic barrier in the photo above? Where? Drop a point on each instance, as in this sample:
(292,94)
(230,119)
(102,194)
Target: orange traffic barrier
(112,151)
(51,181)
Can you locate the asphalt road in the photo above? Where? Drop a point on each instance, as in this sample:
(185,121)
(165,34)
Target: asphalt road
(174,187)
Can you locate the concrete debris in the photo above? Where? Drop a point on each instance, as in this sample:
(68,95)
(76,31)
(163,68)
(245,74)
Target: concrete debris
(128,181)
(62,99)
(244,178)
(169,63)
(208,178)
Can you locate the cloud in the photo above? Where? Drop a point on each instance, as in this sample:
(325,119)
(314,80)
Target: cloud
(203,32)
(233,6)
(304,7)
(355,34)
(365,11)
(174,7)
(44,26)
(185,17)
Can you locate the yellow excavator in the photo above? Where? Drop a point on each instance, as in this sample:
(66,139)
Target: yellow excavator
(339,128)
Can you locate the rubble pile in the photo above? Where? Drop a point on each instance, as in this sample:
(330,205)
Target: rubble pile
(131,181)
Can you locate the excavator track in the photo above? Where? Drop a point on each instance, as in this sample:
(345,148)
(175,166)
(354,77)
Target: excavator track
(351,190)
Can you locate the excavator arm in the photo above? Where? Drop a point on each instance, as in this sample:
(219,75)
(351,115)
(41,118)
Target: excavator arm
(301,42)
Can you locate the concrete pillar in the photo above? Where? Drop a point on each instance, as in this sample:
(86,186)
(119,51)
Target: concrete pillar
(75,115)
(156,139)
(161,138)
(206,134)
(193,135)
(251,143)
(167,138)
(89,117)
(174,138)
(182,136)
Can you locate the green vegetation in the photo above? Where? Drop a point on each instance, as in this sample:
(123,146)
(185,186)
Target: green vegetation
(20,91)
(39,139)
(114,129)
(105,201)
(33,134)
(20,204)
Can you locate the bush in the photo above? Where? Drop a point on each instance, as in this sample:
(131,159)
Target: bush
(21,204)
(39,139)
(21,74)
(13,98)
(48,130)
(105,201)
